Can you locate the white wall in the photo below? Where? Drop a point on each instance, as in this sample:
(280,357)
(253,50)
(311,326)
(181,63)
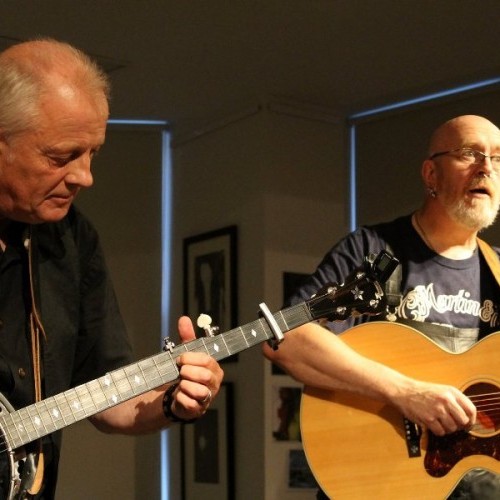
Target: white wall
(282,181)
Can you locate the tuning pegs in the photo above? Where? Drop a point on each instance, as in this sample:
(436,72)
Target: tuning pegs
(204,321)
(168,345)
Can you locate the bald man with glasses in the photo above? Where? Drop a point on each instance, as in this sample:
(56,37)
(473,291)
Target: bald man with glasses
(445,288)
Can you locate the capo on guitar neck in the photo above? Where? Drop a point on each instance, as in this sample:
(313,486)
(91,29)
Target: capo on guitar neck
(278,334)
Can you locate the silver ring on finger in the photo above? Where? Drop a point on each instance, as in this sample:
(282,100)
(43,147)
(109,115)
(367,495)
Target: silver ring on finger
(206,400)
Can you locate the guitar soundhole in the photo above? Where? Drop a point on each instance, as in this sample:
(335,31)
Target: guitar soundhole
(483,439)
(486,397)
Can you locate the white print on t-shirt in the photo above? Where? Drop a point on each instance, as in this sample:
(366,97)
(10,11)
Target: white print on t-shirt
(422,301)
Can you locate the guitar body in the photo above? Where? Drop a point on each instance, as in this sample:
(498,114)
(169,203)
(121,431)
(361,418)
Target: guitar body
(359,448)
(17,469)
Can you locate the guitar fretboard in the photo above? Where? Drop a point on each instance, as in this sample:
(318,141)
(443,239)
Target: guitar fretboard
(56,412)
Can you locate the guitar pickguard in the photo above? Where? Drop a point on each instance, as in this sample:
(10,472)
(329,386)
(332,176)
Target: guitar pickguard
(443,453)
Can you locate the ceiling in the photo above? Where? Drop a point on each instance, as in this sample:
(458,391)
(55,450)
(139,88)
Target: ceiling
(189,61)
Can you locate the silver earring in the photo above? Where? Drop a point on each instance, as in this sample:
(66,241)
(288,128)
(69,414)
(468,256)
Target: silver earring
(432,192)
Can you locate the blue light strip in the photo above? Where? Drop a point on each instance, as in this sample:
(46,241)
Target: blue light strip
(352,177)
(390,107)
(166,230)
(425,98)
(119,121)
(166,227)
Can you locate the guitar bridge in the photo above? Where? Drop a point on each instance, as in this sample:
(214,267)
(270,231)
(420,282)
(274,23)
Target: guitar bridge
(412,438)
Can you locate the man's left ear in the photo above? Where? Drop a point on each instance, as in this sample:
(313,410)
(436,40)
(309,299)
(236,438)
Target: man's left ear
(428,173)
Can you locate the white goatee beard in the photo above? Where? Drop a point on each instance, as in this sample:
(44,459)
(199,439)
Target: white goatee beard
(474,218)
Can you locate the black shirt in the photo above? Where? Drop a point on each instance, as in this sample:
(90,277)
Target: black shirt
(85,333)
(435,289)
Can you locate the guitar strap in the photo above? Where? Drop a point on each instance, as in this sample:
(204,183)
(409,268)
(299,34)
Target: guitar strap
(491,258)
(36,329)
(393,285)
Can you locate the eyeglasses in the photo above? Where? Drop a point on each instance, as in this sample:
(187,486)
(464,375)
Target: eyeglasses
(470,156)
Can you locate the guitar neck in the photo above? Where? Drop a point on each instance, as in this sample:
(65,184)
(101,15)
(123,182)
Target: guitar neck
(56,412)
(361,294)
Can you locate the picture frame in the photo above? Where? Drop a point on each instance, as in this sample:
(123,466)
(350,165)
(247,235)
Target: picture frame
(208,451)
(300,476)
(210,277)
(286,413)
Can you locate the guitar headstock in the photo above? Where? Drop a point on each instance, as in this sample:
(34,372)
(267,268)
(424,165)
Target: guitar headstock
(361,293)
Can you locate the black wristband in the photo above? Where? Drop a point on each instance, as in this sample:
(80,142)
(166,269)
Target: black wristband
(168,399)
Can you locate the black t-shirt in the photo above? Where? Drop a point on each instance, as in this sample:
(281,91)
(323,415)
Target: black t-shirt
(435,289)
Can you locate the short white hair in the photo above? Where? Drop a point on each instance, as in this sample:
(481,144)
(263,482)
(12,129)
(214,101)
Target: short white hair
(24,70)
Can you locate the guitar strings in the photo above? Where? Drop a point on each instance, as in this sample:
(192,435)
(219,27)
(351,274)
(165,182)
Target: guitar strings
(485,404)
(488,411)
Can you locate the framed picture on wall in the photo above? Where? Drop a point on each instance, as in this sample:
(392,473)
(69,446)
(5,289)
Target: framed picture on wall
(286,413)
(208,448)
(300,475)
(210,279)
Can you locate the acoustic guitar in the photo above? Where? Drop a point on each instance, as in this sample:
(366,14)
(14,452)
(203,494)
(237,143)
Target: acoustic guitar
(359,448)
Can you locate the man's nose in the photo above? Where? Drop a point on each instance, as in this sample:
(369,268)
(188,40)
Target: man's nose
(79,172)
